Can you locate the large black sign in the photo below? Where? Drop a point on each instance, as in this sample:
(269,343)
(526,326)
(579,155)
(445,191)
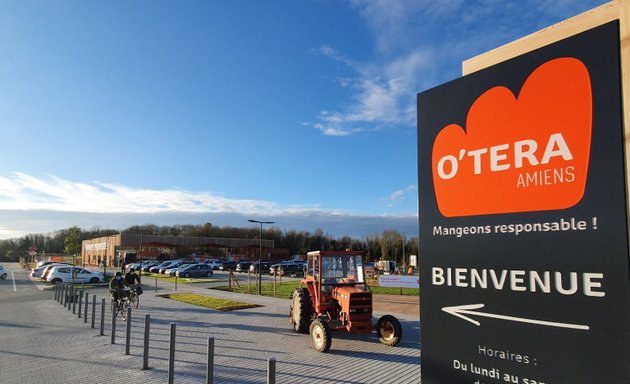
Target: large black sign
(523,220)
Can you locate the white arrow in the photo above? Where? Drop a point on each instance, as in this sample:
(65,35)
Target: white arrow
(462,310)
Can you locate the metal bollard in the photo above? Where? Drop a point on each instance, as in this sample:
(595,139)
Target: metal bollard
(156,283)
(93,310)
(103,317)
(63,294)
(175,283)
(210,362)
(271,370)
(113,328)
(74,300)
(145,356)
(69,306)
(56,291)
(171,356)
(128,331)
(86,308)
(80,302)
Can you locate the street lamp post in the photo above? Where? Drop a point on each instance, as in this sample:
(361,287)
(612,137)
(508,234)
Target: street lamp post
(260,253)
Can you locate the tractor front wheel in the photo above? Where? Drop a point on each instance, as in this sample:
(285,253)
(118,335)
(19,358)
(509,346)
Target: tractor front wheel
(301,310)
(321,336)
(389,330)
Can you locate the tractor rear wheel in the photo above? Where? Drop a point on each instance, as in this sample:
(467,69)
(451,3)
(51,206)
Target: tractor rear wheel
(389,330)
(301,310)
(321,336)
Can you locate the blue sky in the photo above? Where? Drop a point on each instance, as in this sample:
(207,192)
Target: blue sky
(120,113)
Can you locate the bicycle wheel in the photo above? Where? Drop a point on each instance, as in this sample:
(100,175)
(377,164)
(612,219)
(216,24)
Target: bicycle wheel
(135,300)
(114,306)
(123,308)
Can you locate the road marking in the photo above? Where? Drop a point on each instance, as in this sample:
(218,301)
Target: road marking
(13,278)
(460,310)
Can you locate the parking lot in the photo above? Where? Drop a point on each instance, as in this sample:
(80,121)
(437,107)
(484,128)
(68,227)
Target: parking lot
(42,342)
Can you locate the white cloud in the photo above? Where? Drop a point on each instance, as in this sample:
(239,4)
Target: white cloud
(419,44)
(39,205)
(334,54)
(381,95)
(332,131)
(397,197)
(394,23)
(400,194)
(24,192)
(11,234)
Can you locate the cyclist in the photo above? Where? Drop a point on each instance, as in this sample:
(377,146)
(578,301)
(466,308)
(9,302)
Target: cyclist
(132,280)
(118,285)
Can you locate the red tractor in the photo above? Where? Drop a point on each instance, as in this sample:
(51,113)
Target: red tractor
(336,298)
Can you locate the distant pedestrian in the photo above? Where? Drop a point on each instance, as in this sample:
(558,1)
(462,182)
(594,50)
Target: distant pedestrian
(122,266)
(98,263)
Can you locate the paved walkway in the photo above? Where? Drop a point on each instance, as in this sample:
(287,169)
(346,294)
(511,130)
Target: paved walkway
(42,342)
(397,304)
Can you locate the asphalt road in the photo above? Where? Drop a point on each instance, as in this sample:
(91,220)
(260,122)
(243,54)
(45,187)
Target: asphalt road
(43,342)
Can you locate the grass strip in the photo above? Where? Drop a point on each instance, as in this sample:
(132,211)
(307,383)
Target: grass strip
(209,301)
(395,291)
(285,289)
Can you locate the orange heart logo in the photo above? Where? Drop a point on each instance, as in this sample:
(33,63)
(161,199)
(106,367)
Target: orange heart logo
(519,154)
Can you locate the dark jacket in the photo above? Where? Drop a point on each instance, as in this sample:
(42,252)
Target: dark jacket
(117,284)
(131,278)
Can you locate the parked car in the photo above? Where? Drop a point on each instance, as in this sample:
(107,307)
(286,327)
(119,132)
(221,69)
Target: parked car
(169,271)
(45,263)
(38,271)
(275,268)
(214,263)
(173,271)
(149,265)
(194,270)
(156,268)
(63,274)
(265,266)
(164,264)
(243,266)
(228,266)
(135,266)
(293,269)
(142,264)
(3,273)
(48,268)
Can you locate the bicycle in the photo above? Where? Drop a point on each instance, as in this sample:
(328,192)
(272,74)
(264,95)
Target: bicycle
(120,305)
(134,298)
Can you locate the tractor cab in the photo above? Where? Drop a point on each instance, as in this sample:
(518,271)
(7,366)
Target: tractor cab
(337,286)
(329,269)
